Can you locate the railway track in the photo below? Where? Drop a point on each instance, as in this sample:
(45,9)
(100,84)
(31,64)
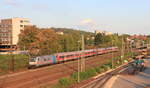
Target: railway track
(49,75)
(100,81)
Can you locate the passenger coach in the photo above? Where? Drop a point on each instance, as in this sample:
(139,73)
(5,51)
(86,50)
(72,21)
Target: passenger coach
(66,56)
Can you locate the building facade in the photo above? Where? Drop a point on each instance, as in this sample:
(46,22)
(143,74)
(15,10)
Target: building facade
(10,30)
(103,32)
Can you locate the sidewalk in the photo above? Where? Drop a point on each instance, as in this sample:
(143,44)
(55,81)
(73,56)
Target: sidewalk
(141,80)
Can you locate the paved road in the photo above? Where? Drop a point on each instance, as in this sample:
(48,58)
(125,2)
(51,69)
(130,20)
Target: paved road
(141,80)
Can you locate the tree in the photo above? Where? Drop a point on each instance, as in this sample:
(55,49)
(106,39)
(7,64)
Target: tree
(39,41)
(98,39)
(48,42)
(28,37)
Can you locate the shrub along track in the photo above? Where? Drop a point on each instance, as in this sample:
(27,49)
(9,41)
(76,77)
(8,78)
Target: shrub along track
(51,74)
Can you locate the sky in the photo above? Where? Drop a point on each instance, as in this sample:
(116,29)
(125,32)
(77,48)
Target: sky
(118,16)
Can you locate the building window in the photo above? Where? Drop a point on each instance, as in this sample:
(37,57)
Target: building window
(21,21)
(2,39)
(2,25)
(21,25)
(6,25)
(26,21)
(9,25)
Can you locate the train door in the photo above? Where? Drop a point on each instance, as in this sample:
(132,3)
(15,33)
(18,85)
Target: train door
(54,59)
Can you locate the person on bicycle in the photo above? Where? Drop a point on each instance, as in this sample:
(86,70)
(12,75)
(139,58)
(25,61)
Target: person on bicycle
(139,63)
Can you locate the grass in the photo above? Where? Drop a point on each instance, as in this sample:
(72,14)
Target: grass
(20,62)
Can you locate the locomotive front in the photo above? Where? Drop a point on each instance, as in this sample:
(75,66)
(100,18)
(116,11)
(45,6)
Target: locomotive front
(32,62)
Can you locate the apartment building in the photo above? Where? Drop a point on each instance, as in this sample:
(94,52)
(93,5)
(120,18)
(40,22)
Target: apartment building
(10,30)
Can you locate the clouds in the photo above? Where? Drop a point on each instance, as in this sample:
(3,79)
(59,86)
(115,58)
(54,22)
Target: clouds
(87,21)
(87,25)
(11,3)
(92,25)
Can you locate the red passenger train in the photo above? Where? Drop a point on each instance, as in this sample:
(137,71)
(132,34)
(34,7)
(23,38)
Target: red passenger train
(66,56)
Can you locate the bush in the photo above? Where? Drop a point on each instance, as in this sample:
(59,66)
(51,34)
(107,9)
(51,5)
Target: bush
(83,75)
(98,69)
(20,62)
(65,82)
(106,66)
(91,72)
(75,76)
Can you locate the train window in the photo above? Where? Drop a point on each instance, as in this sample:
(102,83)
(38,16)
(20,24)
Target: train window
(32,60)
(87,53)
(62,56)
(49,58)
(38,59)
(45,59)
(69,55)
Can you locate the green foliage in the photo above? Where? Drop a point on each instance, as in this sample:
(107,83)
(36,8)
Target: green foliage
(65,82)
(41,41)
(147,41)
(106,66)
(69,43)
(102,40)
(27,37)
(99,69)
(84,75)
(75,76)
(20,62)
(99,39)
(88,73)
(47,41)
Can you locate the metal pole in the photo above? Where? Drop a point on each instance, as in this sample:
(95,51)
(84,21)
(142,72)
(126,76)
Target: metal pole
(131,52)
(82,58)
(12,57)
(78,70)
(131,49)
(78,65)
(12,63)
(128,44)
(112,57)
(122,53)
